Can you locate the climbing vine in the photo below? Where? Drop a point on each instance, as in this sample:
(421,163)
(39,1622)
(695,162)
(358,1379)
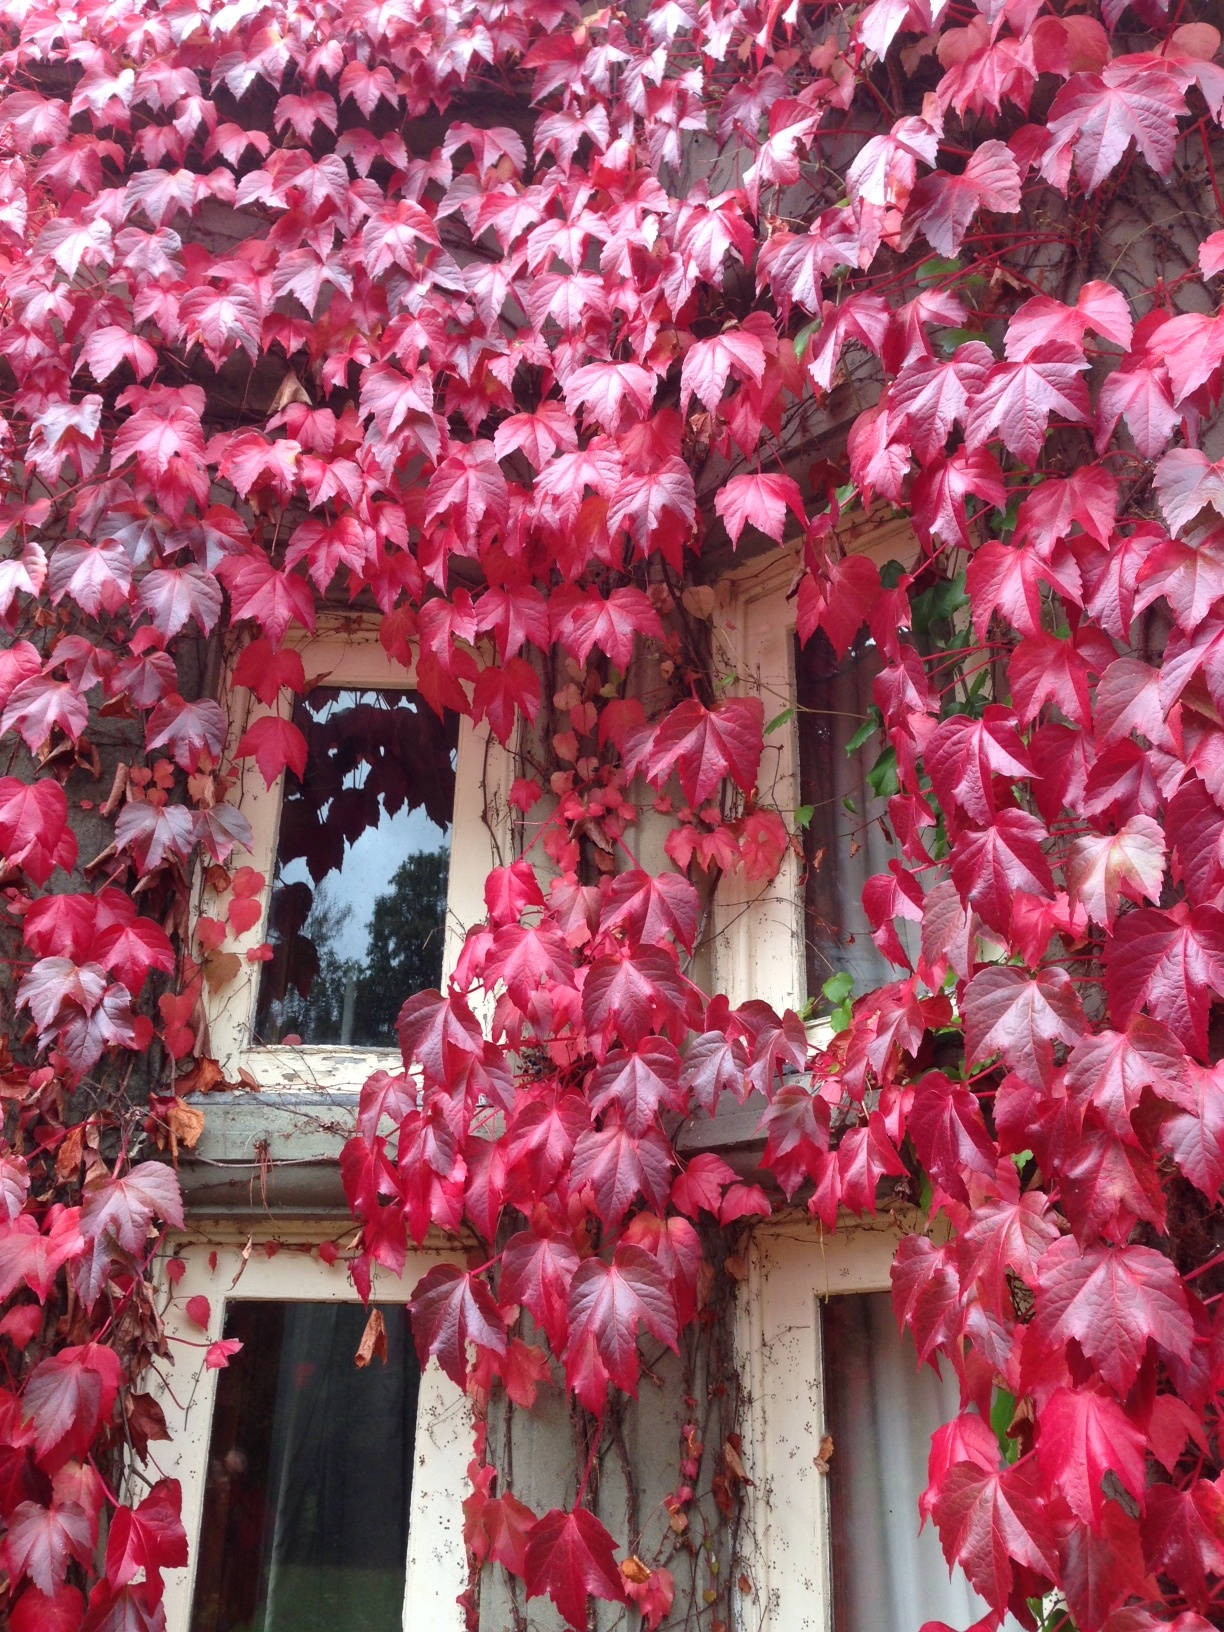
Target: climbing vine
(515,326)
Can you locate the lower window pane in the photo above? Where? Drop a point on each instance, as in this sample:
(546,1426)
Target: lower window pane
(881,1411)
(306,1509)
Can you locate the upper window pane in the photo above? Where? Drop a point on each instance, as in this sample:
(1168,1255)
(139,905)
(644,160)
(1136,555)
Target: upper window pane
(358,910)
(844,840)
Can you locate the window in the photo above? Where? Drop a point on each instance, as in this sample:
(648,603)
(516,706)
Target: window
(830,1540)
(360,904)
(317,1497)
(837,1430)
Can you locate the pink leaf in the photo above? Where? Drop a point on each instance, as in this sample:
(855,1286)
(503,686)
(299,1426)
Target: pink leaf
(221,1353)
(759,501)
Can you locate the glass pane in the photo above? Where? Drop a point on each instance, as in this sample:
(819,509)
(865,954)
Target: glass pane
(881,1411)
(844,842)
(306,1507)
(358,910)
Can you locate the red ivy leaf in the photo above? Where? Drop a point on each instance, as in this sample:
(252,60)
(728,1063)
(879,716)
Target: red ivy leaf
(501,694)
(537,1271)
(149,1538)
(1082,1434)
(451,1309)
(619,1166)
(1169,963)
(585,621)
(198,1311)
(965,756)
(1112,1301)
(266,671)
(1100,115)
(67,1399)
(606,1304)
(570,1556)
(704,745)
(649,906)
(221,1353)
(1193,1135)
(1104,867)
(839,602)
(990,1521)
(131,950)
(275,745)
(943,205)
(34,832)
(43,1541)
(188,730)
(990,865)
(759,501)
(272,599)
(949,1134)
(1018,399)
(34,1611)
(1110,1070)
(1009,1013)
(637,1082)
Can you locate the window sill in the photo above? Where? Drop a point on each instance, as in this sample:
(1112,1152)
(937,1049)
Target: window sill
(323,1067)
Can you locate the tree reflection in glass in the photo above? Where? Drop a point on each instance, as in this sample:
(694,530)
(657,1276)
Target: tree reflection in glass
(370,816)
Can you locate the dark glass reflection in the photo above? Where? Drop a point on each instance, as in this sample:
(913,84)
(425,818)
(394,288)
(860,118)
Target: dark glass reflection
(306,1507)
(358,910)
(844,843)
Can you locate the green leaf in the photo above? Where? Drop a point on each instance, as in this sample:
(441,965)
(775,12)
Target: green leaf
(882,778)
(951,339)
(936,268)
(804,814)
(891,574)
(804,336)
(786,716)
(1002,1414)
(939,603)
(838,987)
(873,723)
(839,991)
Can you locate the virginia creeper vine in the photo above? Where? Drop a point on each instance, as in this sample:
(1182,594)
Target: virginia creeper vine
(511,325)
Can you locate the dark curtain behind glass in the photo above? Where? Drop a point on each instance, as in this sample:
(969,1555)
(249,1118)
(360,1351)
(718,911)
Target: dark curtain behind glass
(310,1475)
(881,1411)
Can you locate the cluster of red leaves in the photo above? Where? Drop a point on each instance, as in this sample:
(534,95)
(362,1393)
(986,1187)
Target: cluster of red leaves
(422,305)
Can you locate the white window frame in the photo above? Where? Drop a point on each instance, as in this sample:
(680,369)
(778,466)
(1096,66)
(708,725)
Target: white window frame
(759,931)
(228,1269)
(343,652)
